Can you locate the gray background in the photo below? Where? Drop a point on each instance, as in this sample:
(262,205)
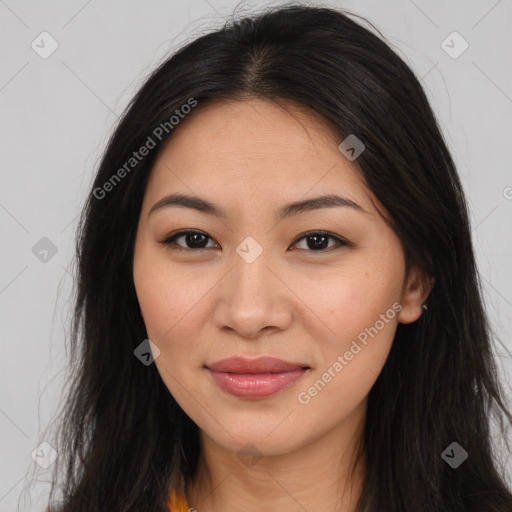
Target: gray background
(58,112)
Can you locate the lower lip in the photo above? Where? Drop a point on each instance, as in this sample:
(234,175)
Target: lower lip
(256,385)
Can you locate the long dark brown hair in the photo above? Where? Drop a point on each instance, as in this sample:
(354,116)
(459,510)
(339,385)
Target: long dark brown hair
(123,441)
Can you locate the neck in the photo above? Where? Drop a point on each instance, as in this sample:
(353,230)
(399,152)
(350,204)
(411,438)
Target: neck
(325,475)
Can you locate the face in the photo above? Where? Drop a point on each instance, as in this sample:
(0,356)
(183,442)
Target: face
(321,287)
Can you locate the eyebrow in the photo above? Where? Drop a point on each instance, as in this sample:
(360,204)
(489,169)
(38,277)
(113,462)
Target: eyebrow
(289,210)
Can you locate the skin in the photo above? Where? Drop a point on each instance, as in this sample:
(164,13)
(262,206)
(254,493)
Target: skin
(294,302)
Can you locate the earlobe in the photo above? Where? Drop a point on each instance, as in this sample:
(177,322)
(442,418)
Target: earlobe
(417,288)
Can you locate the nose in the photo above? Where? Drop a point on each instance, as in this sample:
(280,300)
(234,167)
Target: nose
(253,301)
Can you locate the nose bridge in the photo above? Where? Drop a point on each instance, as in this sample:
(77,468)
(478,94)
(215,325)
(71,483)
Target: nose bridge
(250,293)
(251,280)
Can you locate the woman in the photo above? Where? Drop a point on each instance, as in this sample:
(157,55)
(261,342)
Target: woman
(277,304)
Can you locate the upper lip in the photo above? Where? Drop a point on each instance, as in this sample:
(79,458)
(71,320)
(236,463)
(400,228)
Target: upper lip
(260,365)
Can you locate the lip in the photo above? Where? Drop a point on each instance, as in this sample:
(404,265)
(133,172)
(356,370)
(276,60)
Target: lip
(255,378)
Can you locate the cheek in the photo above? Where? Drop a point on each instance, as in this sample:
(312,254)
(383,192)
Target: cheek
(343,303)
(174,306)
(348,363)
(166,297)
(360,307)
(170,312)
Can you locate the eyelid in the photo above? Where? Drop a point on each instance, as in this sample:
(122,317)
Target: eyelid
(168,241)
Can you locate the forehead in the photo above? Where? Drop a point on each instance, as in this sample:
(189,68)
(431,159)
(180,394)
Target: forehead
(255,149)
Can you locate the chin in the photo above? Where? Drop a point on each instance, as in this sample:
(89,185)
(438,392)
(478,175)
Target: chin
(257,443)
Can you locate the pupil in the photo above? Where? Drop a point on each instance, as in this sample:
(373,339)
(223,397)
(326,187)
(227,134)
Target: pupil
(315,239)
(194,241)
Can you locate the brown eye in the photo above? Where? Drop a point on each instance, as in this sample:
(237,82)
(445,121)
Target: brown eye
(318,241)
(193,240)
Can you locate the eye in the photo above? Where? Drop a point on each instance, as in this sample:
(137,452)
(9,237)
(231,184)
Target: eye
(196,239)
(316,241)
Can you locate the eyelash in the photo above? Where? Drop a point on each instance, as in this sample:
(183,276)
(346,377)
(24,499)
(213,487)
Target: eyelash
(170,241)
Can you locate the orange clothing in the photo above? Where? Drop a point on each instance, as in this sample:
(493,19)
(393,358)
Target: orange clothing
(177,502)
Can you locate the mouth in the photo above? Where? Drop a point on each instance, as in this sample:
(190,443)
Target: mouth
(255,378)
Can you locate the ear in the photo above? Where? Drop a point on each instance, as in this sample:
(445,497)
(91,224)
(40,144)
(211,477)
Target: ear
(417,287)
